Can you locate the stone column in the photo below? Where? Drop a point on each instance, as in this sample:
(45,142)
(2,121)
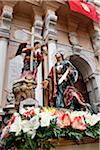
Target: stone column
(6,18)
(50,35)
(38,26)
(96,87)
(96,42)
(95,36)
(92,83)
(3,53)
(51,52)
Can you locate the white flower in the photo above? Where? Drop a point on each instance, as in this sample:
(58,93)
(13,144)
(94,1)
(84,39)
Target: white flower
(26,126)
(37,111)
(35,122)
(92,119)
(45,119)
(32,133)
(16,126)
(30,126)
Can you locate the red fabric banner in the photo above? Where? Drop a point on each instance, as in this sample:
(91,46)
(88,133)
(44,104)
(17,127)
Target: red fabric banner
(84,8)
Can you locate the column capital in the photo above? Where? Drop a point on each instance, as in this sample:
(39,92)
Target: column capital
(38,26)
(3,39)
(4,33)
(50,21)
(7,12)
(6,18)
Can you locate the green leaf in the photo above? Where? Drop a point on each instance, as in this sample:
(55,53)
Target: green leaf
(89,133)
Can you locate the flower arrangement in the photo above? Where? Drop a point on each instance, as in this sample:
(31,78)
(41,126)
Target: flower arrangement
(34,128)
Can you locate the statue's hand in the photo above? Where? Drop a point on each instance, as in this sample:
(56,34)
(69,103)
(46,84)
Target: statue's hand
(45,84)
(70,70)
(45,50)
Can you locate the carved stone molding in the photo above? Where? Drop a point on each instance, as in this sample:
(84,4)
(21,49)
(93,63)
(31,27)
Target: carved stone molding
(92,76)
(38,27)
(97,4)
(86,80)
(4,33)
(96,42)
(6,17)
(77,49)
(38,23)
(50,19)
(50,31)
(7,12)
(96,26)
(73,39)
(96,34)
(90,1)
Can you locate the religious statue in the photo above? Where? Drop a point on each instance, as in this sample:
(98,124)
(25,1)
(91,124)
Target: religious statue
(15,66)
(62,93)
(24,87)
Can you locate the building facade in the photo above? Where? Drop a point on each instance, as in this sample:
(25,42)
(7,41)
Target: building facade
(77,36)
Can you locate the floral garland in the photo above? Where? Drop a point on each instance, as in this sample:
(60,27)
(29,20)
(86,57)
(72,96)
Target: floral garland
(34,128)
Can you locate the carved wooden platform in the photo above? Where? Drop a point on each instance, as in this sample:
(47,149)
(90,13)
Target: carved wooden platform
(65,142)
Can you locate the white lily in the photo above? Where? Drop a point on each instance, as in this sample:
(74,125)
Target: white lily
(92,119)
(16,126)
(35,122)
(30,126)
(26,126)
(45,119)
(37,111)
